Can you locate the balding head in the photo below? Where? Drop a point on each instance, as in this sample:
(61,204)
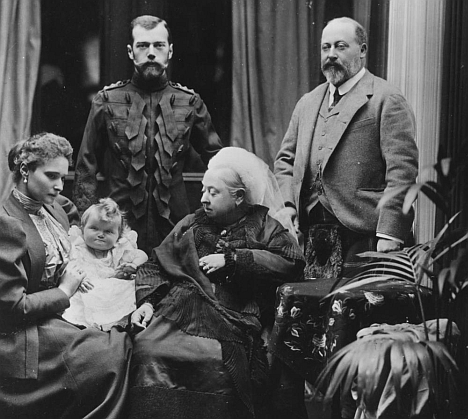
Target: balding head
(343,50)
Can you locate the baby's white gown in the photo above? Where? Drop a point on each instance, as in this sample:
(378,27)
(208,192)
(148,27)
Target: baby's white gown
(111,298)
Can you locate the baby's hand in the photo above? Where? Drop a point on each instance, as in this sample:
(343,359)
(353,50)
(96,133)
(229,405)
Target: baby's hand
(142,316)
(125,270)
(85,286)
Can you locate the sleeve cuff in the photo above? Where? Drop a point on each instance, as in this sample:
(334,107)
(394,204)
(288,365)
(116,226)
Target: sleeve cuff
(388,237)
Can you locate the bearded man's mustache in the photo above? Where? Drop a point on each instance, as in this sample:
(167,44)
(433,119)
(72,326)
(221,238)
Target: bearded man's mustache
(157,66)
(334,66)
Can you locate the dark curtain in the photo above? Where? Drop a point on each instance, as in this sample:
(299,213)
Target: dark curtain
(453,136)
(203,54)
(275,61)
(69,71)
(454,122)
(378,38)
(20,45)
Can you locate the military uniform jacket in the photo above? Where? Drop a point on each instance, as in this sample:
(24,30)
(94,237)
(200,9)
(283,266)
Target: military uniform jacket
(139,141)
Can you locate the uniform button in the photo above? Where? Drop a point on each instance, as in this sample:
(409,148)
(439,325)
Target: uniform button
(323,133)
(320,147)
(223,233)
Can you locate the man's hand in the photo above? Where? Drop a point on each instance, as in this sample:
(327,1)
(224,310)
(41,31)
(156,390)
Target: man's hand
(142,316)
(386,245)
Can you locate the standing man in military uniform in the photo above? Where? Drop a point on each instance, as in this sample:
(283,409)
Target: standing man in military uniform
(138,136)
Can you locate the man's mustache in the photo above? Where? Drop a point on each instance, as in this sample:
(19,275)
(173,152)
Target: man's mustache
(334,65)
(154,64)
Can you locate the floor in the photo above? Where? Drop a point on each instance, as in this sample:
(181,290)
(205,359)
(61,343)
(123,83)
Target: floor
(315,411)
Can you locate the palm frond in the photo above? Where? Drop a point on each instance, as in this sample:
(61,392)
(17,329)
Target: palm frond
(405,265)
(436,186)
(437,198)
(456,240)
(411,196)
(384,368)
(357,284)
(409,261)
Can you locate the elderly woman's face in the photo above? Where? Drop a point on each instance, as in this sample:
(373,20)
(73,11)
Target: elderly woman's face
(46,182)
(217,201)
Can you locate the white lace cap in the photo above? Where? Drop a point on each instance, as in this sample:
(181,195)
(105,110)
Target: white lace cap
(260,183)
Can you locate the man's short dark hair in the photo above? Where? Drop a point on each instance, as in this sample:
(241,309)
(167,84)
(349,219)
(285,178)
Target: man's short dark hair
(148,22)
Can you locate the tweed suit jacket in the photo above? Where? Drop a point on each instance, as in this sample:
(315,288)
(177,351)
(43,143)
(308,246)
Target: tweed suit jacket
(371,150)
(22,305)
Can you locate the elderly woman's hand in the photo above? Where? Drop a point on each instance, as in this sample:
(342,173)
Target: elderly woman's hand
(142,316)
(212,262)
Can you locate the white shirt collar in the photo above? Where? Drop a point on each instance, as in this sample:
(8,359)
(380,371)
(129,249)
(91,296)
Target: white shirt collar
(346,86)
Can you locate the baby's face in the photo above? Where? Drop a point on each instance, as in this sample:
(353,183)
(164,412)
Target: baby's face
(100,234)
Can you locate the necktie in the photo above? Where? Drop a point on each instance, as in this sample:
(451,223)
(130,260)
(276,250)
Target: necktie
(336,99)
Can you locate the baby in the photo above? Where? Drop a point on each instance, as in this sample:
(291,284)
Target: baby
(105,248)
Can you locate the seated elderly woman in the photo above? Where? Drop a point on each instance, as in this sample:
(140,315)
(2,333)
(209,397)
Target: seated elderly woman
(200,353)
(49,368)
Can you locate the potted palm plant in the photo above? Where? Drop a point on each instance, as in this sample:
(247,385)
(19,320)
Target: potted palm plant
(399,371)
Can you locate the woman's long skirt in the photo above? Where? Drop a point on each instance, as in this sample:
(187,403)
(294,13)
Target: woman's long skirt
(175,375)
(82,374)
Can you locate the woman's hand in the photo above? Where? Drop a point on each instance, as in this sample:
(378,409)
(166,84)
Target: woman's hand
(212,262)
(71,279)
(85,286)
(142,316)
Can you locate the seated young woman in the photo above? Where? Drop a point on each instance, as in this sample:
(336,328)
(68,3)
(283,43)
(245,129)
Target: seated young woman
(205,295)
(48,367)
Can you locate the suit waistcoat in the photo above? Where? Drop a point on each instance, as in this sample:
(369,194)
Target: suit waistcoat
(313,191)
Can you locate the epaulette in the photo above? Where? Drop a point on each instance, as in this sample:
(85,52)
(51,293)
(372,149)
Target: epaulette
(183,88)
(116,84)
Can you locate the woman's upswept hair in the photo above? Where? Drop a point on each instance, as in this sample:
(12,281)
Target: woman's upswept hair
(36,151)
(232,180)
(107,210)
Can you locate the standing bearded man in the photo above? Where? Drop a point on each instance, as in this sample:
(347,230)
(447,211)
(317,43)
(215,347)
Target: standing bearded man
(349,141)
(138,136)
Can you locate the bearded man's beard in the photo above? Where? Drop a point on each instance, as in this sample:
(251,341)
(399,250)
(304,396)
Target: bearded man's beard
(337,74)
(150,71)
